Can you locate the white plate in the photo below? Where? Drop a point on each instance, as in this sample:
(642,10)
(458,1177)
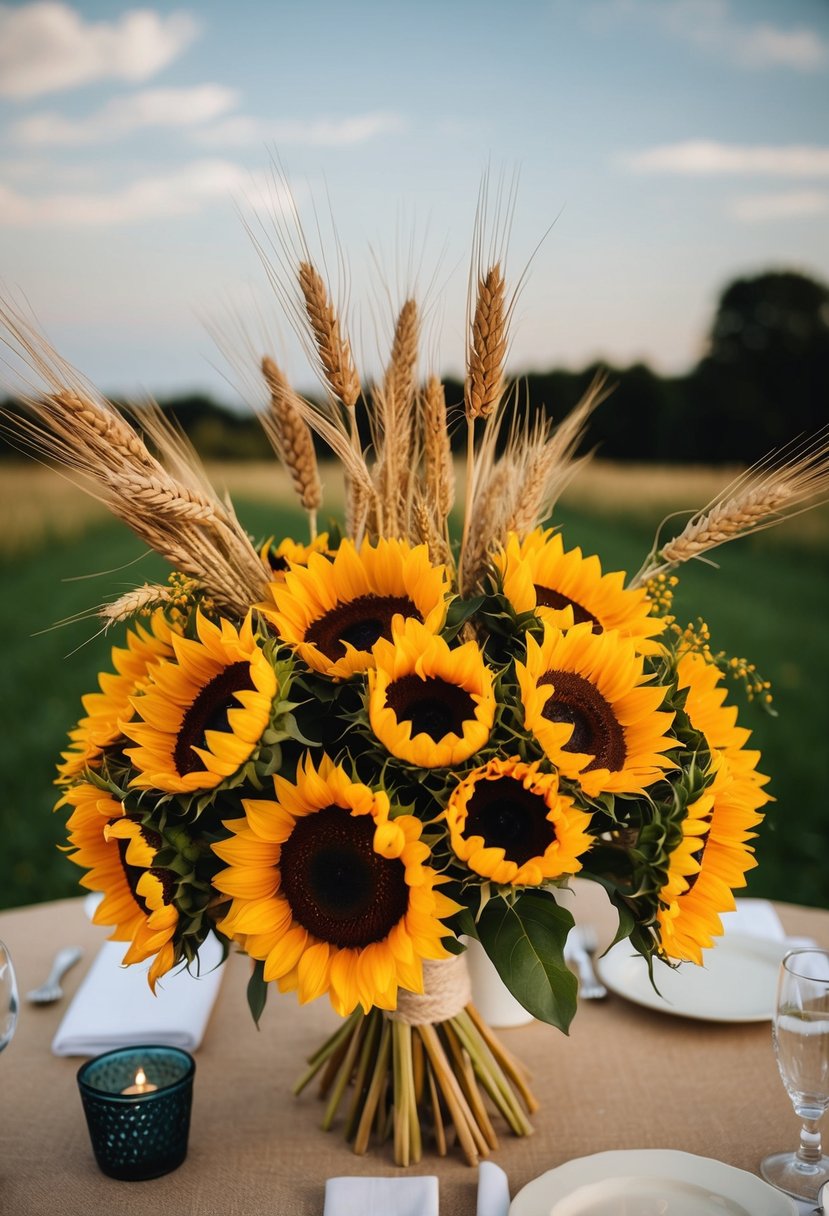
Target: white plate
(649,1182)
(737,983)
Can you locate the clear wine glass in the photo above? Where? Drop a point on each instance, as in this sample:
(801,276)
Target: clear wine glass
(8,997)
(801,1044)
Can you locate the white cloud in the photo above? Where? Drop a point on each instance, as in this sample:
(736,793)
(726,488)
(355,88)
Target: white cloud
(183,192)
(708,158)
(245,131)
(794,204)
(46,46)
(712,26)
(767,46)
(123,115)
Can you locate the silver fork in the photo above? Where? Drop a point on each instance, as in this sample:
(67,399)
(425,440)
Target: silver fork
(581,945)
(51,990)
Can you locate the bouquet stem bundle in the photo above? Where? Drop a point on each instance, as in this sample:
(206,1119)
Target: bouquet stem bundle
(410,1079)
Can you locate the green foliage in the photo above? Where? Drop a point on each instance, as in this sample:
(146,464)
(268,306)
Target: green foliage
(257,991)
(525,940)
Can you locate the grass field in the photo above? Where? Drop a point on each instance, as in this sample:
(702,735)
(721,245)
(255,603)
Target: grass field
(769,602)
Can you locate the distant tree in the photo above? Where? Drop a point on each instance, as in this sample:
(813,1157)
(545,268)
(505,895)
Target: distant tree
(765,376)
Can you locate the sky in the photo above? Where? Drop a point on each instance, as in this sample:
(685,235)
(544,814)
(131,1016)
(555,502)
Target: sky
(663,146)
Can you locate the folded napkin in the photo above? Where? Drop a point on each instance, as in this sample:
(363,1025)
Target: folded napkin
(381,1197)
(114,1006)
(757,918)
(493,1190)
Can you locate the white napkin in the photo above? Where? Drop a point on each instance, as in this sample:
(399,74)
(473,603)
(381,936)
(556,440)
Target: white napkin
(114,1006)
(757,918)
(381,1197)
(493,1190)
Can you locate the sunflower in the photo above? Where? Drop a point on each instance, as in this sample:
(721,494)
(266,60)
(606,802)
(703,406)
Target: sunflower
(330,892)
(710,861)
(105,710)
(712,717)
(279,558)
(430,704)
(202,714)
(333,612)
(587,701)
(565,588)
(119,856)
(510,822)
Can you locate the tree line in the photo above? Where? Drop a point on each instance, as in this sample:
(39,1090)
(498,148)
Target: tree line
(763,380)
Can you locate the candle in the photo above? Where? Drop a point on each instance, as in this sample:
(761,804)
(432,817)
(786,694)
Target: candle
(138,1128)
(140,1085)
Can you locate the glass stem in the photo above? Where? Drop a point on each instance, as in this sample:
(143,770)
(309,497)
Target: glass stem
(810,1150)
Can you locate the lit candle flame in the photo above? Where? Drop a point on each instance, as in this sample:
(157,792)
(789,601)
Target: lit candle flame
(140,1085)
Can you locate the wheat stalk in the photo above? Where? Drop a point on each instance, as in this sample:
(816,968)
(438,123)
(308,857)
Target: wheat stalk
(291,438)
(139,602)
(333,347)
(393,423)
(546,462)
(493,510)
(487,347)
(167,501)
(439,473)
(783,484)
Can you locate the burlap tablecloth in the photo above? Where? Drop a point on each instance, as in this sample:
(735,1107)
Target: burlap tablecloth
(624,1078)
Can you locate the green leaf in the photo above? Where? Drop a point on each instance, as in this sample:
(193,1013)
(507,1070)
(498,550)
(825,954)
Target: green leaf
(459,613)
(257,991)
(525,941)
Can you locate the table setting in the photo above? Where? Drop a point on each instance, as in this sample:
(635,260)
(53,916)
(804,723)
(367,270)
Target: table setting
(364,820)
(599,1088)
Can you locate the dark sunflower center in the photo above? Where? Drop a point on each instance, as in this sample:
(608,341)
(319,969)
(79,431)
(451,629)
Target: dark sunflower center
(359,622)
(209,712)
(133,873)
(278,564)
(596,730)
(337,887)
(511,818)
(546,597)
(433,706)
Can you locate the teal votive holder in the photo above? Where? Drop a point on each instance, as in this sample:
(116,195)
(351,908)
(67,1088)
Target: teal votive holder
(142,1134)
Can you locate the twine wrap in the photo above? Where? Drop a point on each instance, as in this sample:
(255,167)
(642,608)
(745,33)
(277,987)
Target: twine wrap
(446,991)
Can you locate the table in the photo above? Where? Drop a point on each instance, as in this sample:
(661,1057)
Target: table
(624,1078)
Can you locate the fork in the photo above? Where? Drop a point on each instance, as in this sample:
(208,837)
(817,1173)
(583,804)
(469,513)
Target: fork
(51,990)
(581,945)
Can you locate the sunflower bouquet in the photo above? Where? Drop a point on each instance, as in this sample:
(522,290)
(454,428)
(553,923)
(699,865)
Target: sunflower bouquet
(345,757)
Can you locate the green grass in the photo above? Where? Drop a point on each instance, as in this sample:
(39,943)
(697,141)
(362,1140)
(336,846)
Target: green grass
(766,602)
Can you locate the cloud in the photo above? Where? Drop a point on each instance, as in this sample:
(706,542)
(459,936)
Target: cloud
(711,26)
(767,46)
(47,46)
(245,131)
(794,204)
(708,158)
(184,192)
(123,115)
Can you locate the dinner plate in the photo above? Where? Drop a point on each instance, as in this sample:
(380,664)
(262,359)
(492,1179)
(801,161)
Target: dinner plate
(737,982)
(649,1182)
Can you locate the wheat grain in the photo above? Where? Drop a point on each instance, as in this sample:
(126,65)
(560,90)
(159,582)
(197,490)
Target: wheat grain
(783,484)
(332,346)
(439,473)
(488,346)
(291,437)
(140,601)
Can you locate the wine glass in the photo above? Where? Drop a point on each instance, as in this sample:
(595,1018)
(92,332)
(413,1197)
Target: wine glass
(8,997)
(801,1044)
